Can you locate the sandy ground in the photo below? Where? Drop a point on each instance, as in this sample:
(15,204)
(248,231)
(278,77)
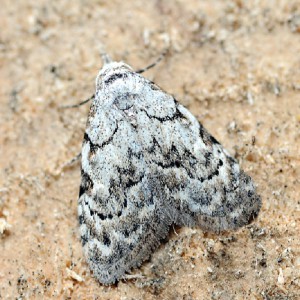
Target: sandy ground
(234,64)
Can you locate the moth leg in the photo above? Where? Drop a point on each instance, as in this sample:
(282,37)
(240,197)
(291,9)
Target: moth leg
(71,162)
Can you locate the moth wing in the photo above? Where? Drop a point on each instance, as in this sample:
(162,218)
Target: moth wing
(202,184)
(119,211)
(146,163)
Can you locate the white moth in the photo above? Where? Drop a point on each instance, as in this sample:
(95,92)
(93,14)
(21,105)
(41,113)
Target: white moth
(148,163)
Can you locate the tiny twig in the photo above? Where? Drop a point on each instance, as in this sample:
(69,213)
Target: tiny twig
(133,276)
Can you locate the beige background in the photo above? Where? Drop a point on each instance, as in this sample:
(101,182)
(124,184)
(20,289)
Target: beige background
(235,64)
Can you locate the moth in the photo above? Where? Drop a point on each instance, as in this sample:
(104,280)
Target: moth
(147,163)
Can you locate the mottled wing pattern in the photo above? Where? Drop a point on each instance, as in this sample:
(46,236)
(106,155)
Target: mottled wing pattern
(148,163)
(203,184)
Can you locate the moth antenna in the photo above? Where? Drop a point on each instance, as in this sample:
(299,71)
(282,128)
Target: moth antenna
(78,104)
(160,58)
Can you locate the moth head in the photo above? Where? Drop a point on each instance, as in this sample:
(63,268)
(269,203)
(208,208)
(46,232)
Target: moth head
(110,70)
